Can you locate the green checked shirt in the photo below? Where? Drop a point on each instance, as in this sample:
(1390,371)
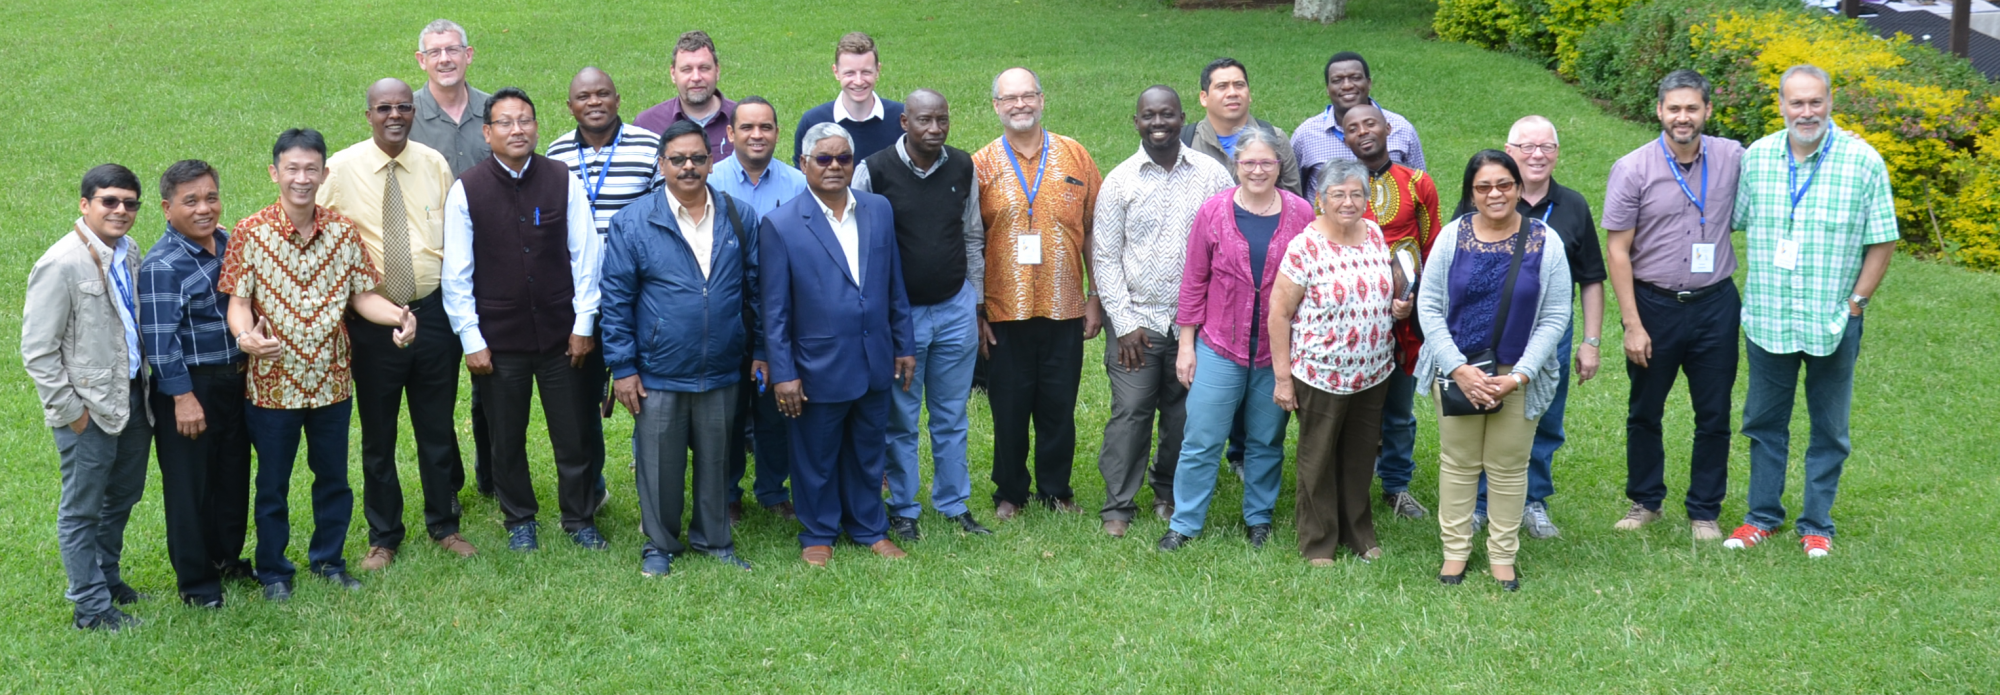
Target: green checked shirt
(1846,207)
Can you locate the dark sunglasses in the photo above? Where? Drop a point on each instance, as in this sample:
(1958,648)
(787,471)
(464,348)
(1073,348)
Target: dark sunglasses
(386,109)
(826,160)
(682,160)
(131,204)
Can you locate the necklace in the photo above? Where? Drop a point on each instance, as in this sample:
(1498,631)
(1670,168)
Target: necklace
(1265,210)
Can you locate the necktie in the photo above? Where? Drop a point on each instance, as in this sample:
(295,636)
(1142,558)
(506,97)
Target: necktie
(399,281)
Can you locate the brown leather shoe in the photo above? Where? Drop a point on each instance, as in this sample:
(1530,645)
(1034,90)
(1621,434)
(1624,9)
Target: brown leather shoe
(1068,506)
(458,544)
(817,555)
(887,548)
(377,559)
(1117,527)
(1005,511)
(784,510)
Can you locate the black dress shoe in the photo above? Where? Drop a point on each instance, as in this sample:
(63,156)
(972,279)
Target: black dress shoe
(1173,541)
(236,571)
(123,594)
(1452,579)
(1258,534)
(729,557)
(1511,584)
(970,525)
(111,620)
(192,601)
(278,592)
(343,580)
(905,528)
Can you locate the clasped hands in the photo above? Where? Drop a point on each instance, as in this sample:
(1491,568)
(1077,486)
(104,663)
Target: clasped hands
(1484,390)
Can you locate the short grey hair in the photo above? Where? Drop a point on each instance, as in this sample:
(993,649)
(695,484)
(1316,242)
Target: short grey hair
(1810,70)
(1684,79)
(1514,132)
(821,132)
(443,26)
(1252,135)
(1031,74)
(1341,171)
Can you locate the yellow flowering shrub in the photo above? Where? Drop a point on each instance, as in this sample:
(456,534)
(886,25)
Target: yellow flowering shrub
(1569,20)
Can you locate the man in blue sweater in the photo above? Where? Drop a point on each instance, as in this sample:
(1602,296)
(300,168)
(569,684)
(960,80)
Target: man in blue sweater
(874,122)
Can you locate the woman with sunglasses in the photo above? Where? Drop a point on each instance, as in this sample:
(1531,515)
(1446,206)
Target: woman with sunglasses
(1493,303)
(1239,237)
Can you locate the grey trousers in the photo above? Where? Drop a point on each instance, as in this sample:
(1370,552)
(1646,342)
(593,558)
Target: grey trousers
(667,426)
(103,475)
(1136,396)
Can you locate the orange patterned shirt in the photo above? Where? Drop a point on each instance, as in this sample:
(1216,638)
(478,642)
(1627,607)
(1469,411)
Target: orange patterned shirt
(299,283)
(1062,213)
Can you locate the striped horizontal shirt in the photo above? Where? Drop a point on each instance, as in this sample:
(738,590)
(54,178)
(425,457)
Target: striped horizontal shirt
(184,318)
(634,160)
(1319,140)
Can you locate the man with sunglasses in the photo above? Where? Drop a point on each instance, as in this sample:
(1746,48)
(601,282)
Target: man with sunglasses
(680,297)
(526,319)
(393,190)
(80,343)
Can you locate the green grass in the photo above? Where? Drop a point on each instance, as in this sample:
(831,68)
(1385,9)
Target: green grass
(1907,603)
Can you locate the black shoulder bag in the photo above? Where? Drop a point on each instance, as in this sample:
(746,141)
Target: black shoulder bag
(1450,396)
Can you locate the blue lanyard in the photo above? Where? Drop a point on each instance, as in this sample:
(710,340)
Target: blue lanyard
(1022,178)
(1700,204)
(118,271)
(584,159)
(1550,211)
(1819,157)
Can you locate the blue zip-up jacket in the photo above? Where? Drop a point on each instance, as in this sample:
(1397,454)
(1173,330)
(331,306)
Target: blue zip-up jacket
(660,319)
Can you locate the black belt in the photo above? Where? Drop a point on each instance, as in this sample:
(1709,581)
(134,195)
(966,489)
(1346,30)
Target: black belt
(1689,296)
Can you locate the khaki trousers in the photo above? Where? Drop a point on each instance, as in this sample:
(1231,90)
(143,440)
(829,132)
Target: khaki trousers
(1497,444)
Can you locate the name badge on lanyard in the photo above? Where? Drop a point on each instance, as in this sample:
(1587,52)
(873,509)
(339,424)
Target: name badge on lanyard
(584,158)
(1787,257)
(1701,257)
(1028,247)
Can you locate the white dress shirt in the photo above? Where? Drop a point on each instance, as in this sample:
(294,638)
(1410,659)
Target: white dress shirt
(700,233)
(840,109)
(848,232)
(585,254)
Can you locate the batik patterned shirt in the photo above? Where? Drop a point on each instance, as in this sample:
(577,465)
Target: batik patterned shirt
(299,282)
(1062,214)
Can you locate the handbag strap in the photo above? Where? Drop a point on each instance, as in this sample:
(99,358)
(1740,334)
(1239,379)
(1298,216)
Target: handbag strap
(1507,288)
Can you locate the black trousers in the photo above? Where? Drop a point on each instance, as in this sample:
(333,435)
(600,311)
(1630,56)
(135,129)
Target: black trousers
(507,391)
(205,481)
(426,375)
(1698,338)
(1034,373)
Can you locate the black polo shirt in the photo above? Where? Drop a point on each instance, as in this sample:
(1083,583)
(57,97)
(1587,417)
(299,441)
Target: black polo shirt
(1569,214)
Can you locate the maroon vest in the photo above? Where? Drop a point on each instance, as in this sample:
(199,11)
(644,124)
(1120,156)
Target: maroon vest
(521,286)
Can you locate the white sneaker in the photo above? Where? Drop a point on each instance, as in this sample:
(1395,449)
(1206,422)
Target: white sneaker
(1536,519)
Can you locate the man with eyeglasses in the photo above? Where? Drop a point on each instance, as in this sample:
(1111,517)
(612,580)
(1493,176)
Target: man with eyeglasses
(680,300)
(942,242)
(694,70)
(1037,196)
(393,190)
(526,319)
(80,343)
(450,113)
(875,123)
(1225,101)
(1319,139)
(1533,144)
(618,163)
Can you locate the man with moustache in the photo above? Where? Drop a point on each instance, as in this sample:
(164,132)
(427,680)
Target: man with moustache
(618,163)
(393,190)
(838,338)
(198,386)
(293,271)
(80,344)
(526,320)
(1532,142)
(694,69)
(1320,140)
(1037,195)
(1225,99)
(450,113)
(1821,223)
(1144,212)
(942,244)
(1668,212)
(874,123)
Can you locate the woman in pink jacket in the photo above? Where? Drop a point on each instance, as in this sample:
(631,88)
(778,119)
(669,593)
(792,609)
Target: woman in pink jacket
(1238,240)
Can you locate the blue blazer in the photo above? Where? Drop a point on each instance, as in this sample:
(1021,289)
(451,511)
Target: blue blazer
(840,337)
(660,318)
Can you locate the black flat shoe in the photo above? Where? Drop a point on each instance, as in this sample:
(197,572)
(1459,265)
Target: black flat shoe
(1510,584)
(1452,579)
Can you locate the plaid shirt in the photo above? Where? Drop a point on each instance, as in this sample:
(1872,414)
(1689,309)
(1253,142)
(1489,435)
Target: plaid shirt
(183,320)
(1847,207)
(1319,140)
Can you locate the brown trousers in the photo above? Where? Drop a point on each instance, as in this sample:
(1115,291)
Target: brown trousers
(1339,436)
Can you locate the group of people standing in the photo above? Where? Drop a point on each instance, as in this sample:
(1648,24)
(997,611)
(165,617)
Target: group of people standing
(808,316)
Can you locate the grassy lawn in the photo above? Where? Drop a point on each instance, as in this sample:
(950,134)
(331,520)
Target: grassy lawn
(1906,604)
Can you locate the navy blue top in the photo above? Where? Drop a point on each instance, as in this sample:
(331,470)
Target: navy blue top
(1257,230)
(184,323)
(870,136)
(1477,272)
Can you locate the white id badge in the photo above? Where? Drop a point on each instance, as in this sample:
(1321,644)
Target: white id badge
(1703,259)
(1788,255)
(1028,249)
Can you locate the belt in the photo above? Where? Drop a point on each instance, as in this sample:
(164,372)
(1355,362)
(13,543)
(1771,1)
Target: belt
(1689,296)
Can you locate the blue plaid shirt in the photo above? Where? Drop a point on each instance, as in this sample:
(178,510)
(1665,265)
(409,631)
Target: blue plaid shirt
(184,320)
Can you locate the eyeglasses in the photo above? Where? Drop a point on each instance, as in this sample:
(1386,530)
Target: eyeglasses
(386,109)
(453,51)
(1344,196)
(112,202)
(1501,187)
(826,160)
(1257,164)
(504,126)
(683,160)
(1544,148)
(1022,99)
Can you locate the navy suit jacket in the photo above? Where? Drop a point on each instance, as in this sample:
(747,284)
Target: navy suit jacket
(820,326)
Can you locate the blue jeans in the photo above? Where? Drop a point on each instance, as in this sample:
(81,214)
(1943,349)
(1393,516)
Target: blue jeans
(1397,461)
(1548,433)
(275,434)
(947,342)
(1767,419)
(1220,387)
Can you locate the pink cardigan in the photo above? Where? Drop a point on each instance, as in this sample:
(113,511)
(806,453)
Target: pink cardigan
(1216,290)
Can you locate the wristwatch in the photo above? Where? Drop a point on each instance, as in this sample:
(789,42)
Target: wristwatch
(1518,379)
(1593,341)
(1860,302)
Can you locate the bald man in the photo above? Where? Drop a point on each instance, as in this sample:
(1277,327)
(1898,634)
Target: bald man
(393,188)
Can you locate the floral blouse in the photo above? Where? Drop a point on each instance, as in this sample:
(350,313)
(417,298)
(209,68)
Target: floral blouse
(1341,340)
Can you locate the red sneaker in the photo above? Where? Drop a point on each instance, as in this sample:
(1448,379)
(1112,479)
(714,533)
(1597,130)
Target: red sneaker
(1816,546)
(1745,536)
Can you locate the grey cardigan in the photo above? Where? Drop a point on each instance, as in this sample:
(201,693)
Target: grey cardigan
(1441,355)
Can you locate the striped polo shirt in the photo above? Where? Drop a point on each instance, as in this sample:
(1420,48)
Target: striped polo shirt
(634,161)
